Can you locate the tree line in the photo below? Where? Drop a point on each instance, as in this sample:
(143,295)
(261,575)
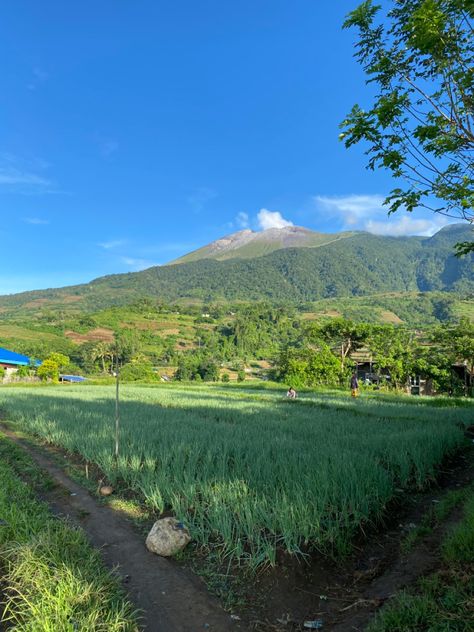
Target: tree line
(301,353)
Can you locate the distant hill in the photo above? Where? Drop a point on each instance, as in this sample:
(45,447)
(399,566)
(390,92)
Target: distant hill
(314,266)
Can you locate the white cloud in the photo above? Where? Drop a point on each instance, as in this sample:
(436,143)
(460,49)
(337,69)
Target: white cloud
(12,176)
(271,219)
(406,225)
(242,220)
(367,212)
(24,176)
(107,245)
(35,220)
(352,208)
(138,264)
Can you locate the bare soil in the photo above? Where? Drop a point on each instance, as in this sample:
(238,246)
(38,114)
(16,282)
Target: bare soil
(94,335)
(345,595)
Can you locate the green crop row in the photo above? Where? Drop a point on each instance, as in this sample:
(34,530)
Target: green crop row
(250,471)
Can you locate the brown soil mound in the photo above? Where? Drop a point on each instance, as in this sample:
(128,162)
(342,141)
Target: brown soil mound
(94,335)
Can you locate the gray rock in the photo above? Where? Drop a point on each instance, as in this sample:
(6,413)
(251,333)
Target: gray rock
(167,537)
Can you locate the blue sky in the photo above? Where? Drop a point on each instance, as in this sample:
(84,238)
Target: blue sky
(133,132)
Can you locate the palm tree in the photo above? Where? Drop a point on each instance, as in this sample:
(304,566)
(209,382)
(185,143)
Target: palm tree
(102,351)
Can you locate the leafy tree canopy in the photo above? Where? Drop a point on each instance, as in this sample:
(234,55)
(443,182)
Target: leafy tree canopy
(458,342)
(421,125)
(344,336)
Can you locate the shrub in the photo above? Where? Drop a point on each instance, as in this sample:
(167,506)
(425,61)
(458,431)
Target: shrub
(49,370)
(137,372)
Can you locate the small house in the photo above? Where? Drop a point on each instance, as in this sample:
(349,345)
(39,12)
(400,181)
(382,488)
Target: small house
(11,361)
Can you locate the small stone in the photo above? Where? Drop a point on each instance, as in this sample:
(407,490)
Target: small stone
(167,537)
(106,490)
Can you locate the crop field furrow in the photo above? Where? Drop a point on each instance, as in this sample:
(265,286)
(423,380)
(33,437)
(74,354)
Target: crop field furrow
(250,471)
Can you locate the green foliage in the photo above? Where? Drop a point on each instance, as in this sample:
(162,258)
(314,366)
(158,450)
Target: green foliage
(457,344)
(2,372)
(419,127)
(459,545)
(393,352)
(225,378)
(258,331)
(48,370)
(42,349)
(62,361)
(309,367)
(52,366)
(105,353)
(344,336)
(127,345)
(199,367)
(137,371)
(416,309)
(241,375)
(51,577)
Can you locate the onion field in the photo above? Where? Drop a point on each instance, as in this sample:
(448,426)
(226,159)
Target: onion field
(249,472)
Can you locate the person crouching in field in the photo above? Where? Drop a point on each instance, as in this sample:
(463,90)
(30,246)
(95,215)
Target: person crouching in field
(291,393)
(354,385)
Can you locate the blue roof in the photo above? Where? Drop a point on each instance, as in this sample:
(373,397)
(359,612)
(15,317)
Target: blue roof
(10,357)
(73,378)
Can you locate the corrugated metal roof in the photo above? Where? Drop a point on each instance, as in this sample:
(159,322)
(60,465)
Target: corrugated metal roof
(10,357)
(73,378)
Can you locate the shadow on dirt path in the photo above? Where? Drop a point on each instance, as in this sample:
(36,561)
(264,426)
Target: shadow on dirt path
(171,600)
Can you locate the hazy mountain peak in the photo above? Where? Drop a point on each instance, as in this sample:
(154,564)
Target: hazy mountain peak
(247,244)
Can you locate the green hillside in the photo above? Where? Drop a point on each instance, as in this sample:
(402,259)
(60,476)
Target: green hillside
(360,265)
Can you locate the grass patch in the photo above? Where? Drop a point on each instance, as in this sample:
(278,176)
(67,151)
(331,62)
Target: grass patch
(52,578)
(437,514)
(458,547)
(444,601)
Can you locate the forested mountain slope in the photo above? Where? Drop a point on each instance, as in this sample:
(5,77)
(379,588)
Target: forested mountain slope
(360,264)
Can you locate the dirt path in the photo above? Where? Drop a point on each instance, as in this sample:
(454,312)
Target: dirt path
(171,599)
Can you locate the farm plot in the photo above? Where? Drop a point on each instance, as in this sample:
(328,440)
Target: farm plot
(250,472)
